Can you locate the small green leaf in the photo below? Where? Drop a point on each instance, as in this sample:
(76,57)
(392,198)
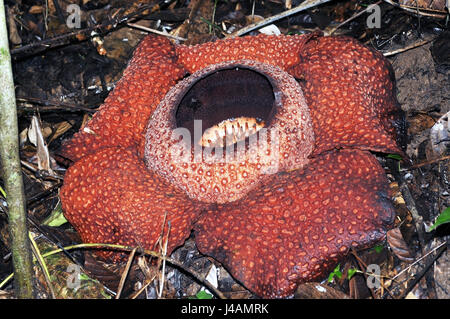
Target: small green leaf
(330,277)
(378,248)
(443,218)
(56,217)
(351,272)
(104,294)
(203,295)
(83,276)
(394,156)
(336,272)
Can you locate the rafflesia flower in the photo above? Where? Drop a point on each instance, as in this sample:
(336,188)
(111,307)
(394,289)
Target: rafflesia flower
(261,145)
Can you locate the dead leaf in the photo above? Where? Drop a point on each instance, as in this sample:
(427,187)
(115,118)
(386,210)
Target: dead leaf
(36,10)
(35,136)
(438,5)
(398,245)
(60,129)
(14,36)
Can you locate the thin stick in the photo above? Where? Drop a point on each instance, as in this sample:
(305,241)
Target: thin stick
(302,7)
(411,205)
(164,253)
(47,105)
(40,259)
(411,284)
(137,293)
(125,272)
(6,280)
(408,47)
(141,27)
(43,174)
(419,259)
(363,266)
(415,10)
(443,158)
(410,202)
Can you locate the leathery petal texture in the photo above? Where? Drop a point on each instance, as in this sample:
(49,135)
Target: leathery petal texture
(293,226)
(351,94)
(299,224)
(110,197)
(122,119)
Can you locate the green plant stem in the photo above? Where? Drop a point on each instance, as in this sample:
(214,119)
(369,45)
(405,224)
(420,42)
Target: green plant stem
(12,172)
(40,259)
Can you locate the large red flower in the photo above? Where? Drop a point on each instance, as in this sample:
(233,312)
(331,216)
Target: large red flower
(275,215)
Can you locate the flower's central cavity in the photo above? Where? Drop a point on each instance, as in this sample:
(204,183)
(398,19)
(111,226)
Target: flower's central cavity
(230,104)
(219,131)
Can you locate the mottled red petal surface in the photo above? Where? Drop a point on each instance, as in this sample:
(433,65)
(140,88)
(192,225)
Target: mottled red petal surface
(295,227)
(350,91)
(110,197)
(122,119)
(281,51)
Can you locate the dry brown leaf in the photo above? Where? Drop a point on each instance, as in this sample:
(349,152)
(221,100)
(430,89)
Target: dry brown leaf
(36,9)
(60,129)
(426,4)
(42,153)
(14,36)
(398,245)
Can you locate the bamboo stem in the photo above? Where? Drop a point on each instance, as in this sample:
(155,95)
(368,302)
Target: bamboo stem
(12,172)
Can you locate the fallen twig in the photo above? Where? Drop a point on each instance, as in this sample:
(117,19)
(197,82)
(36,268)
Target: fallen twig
(413,282)
(409,201)
(49,106)
(363,266)
(408,47)
(410,204)
(417,10)
(302,7)
(419,259)
(141,27)
(83,34)
(125,273)
(418,165)
(40,259)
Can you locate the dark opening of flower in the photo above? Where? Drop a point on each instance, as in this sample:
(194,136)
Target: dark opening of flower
(232,103)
